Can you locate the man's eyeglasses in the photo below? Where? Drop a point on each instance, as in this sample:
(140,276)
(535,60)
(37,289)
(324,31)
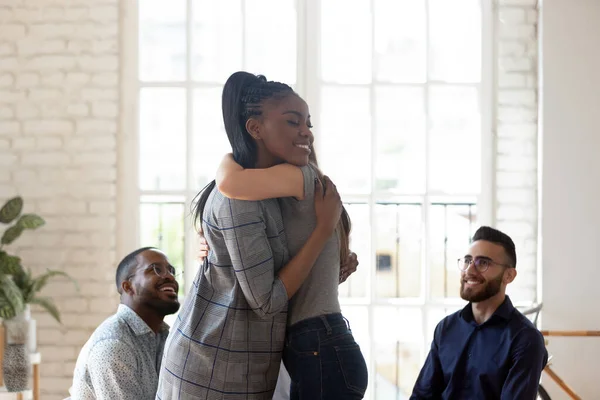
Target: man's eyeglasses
(160,270)
(480,264)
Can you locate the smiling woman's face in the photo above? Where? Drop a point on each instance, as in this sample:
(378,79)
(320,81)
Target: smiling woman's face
(284,129)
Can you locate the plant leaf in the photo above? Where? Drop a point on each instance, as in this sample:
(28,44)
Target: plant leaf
(12,299)
(10,265)
(11,234)
(24,282)
(42,280)
(6,309)
(27,286)
(11,210)
(48,305)
(30,221)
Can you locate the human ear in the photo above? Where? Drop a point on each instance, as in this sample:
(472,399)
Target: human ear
(253,128)
(511,274)
(127,287)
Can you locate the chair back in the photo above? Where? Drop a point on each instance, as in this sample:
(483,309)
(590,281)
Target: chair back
(533,313)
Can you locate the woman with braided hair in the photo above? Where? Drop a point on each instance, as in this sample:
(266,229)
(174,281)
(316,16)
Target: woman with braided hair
(227,340)
(320,353)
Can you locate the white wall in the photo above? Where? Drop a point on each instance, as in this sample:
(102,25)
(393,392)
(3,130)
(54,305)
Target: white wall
(59,109)
(570,196)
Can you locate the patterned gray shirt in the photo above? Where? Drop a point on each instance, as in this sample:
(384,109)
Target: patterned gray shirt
(121,360)
(227,340)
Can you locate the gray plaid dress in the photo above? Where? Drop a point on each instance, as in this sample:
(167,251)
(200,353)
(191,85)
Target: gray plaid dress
(227,340)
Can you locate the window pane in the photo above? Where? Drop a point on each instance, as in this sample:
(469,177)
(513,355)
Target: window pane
(400,124)
(270,39)
(451,229)
(400,41)
(162,40)
(345,138)
(161,226)
(455,142)
(455,34)
(360,243)
(210,140)
(397,351)
(346,41)
(162,139)
(398,253)
(217,39)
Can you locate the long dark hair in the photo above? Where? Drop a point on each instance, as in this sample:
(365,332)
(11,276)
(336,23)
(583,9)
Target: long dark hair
(243,97)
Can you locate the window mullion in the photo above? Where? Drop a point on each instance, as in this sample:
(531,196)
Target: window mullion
(372,278)
(301,47)
(243,38)
(312,63)
(426,266)
(189,244)
(486,201)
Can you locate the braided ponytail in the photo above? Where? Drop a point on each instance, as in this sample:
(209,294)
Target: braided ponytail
(243,97)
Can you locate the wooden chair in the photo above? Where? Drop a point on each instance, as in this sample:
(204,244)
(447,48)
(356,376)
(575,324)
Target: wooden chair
(534,313)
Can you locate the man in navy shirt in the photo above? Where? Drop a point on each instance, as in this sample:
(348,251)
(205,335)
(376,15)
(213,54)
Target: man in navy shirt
(488,350)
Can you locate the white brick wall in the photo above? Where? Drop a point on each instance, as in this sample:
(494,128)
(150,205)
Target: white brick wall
(516,136)
(59,92)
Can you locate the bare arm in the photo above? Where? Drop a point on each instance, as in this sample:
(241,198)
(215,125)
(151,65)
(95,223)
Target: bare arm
(251,256)
(347,268)
(252,261)
(297,270)
(328,207)
(283,180)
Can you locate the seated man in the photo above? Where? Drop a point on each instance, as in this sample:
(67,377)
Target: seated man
(488,350)
(122,358)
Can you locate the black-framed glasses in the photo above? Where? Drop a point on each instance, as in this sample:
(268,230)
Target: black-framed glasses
(481,264)
(160,270)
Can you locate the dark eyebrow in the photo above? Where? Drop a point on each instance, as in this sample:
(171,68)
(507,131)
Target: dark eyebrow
(159,263)
(299,114)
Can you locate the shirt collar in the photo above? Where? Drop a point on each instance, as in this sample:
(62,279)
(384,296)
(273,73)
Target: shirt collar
(504,311)
(136,323)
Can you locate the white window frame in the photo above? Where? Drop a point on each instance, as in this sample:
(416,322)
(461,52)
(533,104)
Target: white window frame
(308,85)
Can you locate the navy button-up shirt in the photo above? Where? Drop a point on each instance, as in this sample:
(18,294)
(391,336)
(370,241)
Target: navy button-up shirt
(502,358)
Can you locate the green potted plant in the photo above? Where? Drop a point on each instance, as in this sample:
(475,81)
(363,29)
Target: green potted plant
(19,289)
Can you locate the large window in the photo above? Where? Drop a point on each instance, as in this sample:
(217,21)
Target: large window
(396,92)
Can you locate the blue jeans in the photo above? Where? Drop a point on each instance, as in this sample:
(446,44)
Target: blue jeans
(324,360)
